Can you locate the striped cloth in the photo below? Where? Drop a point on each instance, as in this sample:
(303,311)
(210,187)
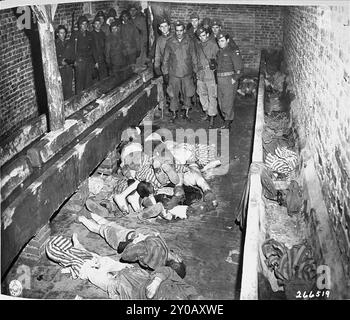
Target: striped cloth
(61,251)
(152,252)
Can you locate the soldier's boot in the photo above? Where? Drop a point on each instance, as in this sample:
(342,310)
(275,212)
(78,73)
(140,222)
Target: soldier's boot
(211,122)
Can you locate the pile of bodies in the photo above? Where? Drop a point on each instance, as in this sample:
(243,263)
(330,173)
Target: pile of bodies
(156,179)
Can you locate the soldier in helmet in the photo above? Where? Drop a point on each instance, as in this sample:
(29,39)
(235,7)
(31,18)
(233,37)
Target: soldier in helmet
(65,60)
(139,20)
(130,37)
(229,70)
(216,27)
(192,26)
(84,47)
(164,27)
(179,65)
(207,50)
(99,38)
(102,17)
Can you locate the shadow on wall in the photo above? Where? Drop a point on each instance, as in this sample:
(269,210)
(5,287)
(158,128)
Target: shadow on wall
(38,73)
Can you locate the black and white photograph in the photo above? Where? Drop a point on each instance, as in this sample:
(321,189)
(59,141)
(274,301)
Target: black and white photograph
(175,150)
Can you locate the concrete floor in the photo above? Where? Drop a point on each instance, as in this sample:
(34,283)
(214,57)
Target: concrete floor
(211,243)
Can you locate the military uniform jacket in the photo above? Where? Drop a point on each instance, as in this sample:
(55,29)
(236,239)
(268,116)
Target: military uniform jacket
(160,49)
(99,45)
(180,57)
(206,51)
(64,51)
(230,60)
(130,38)
(115,50)
(83,45)
(140,23)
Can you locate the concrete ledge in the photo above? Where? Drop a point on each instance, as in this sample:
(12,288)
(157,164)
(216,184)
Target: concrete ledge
(15,143)
(13,174)
(77,123)
(255,224)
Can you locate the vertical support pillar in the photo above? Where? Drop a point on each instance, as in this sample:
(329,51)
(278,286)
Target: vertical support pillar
(53,81)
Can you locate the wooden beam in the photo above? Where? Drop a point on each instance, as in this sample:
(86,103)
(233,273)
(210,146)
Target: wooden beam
(52,76)
(33,207)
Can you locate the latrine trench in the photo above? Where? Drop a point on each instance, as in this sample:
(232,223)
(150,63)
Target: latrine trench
(208,239)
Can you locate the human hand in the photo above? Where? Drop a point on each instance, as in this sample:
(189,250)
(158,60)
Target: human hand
(152,288)
(96,65)
(233,81)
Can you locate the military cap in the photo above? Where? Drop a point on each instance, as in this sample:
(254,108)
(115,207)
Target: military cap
(216,22)
(194,15)
(201,30)
(222,34)
(179,23)
(206,21)
(111,13)
(164,20)
(100,14)
(82,19)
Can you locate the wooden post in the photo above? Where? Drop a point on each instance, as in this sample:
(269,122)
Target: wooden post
(53,82)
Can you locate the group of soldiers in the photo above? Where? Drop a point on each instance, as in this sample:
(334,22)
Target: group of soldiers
(196,60)
(200,58)
(110,45)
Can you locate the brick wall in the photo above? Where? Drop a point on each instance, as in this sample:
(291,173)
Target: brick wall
(317,53)
(17,96)
(253,28)
(20,101)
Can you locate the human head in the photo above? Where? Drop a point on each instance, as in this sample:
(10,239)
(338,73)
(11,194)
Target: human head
(115,26)
(97,24)
(61,32)
(216,27)
(83,23)
(176,263)
(101,16)
(206,23)
(125,16)
(179,29)
(112,13)
(203,34)
(133,10)
(194,17)
(223,39)
(164,26)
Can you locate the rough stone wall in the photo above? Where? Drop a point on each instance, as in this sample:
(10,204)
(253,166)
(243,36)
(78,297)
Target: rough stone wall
(317,54)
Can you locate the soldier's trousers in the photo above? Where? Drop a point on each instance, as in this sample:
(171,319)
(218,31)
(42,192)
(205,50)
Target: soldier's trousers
(66,73)
(83,74)
(207,92)
(102,70)
(226,96)
(180,86)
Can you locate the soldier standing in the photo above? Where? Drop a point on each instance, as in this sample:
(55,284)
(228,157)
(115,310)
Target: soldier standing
(130,37)
(179,65)
(99,38)
(207,50)
(65,60)
(104,26)
(229,70)
(164,27)
(139,20)
(115,58)
(83,45)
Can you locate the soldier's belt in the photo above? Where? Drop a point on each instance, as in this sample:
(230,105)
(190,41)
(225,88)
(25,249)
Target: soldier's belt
(225,74)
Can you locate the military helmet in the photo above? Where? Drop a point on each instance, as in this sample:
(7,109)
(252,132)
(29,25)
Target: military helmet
(82,19)
(216,22)
(179,23)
